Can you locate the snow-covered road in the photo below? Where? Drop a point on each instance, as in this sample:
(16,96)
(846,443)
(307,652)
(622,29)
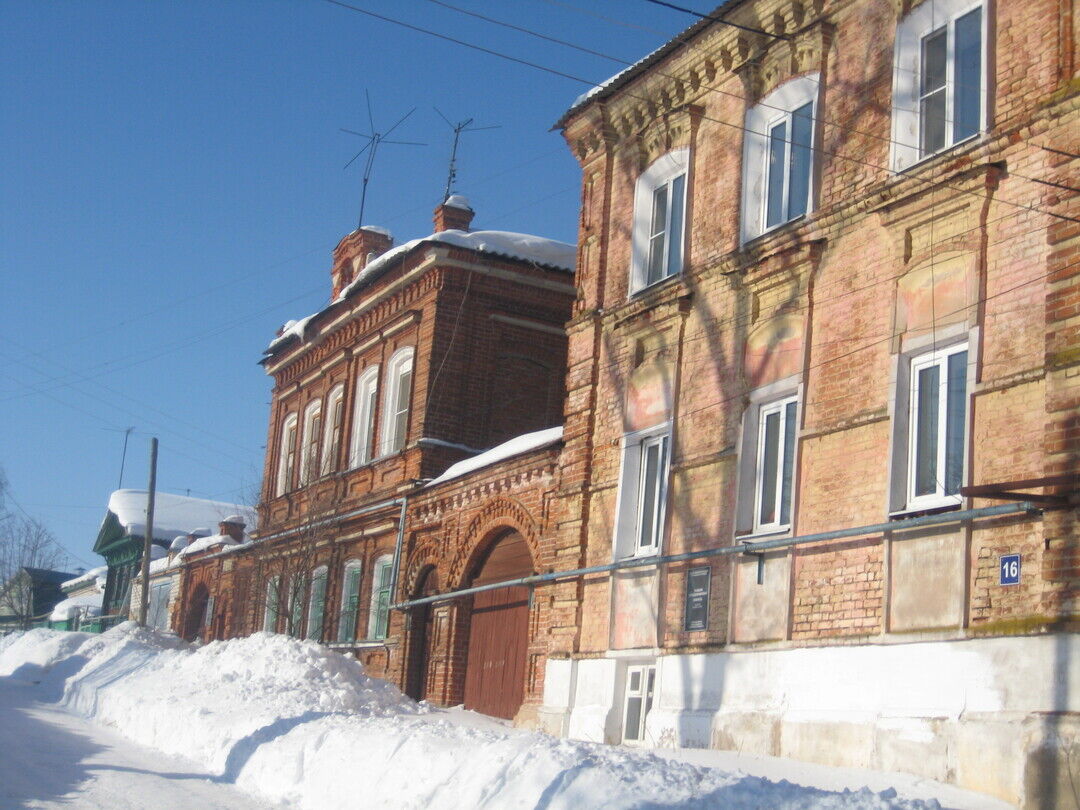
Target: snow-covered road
(54,759)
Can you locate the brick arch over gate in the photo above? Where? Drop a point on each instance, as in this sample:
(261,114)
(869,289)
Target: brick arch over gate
(500,516)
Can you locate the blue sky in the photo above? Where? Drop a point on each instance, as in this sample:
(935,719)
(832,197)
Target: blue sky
(172,187)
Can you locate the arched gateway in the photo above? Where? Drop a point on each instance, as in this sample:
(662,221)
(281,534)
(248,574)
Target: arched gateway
(499,630)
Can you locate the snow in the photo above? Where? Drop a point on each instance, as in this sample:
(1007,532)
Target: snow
(88,603)
(291,329)
(204,543)
(508,449)
(458,201)
(173,514)
(295,723)
(98,573)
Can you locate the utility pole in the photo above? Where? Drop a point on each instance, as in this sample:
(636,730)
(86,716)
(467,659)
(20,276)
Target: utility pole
(144,599)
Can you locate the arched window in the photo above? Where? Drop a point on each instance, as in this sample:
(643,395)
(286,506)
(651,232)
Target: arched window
(659,228)
(287,459)
(309,446)
(350,600)
(335,422)
(381,587)
(778,157)
(395,425)
(272,605)
(316,604)
(363,435)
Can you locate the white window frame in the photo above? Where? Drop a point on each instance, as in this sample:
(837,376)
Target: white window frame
(661,174)
(313,631)
(645,692)
(333,429)
(363,428)
(779,407)
(632,492)
(272,604)
(309,443)
(382,592)
(911,32)
(350,602)
(287,455)
(400,365)
(921,354)
(764,400)
(776,107)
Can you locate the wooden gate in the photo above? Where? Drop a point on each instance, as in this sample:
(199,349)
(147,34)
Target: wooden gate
(499,632)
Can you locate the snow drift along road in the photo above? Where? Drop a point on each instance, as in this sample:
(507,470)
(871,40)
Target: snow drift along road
(292,721)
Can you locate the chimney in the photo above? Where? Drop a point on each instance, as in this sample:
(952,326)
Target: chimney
(454,214)
(232,526)
(353,253)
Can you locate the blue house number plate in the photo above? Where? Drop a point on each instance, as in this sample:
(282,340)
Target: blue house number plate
(1010,569)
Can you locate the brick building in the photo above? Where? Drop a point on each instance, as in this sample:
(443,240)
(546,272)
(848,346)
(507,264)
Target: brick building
(823,394)
(445,349)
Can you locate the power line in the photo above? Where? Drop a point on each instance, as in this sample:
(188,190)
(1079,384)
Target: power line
(719,20)
(741,127)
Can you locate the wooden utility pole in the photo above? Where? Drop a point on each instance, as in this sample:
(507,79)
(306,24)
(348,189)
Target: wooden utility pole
(144,599)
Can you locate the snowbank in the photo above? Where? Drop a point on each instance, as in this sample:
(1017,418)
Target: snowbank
(295,722)
(89,604)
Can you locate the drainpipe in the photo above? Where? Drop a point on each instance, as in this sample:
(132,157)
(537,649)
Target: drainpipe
(395,568)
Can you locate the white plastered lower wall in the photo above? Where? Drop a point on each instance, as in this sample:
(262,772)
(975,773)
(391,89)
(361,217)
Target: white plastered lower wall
(992,715)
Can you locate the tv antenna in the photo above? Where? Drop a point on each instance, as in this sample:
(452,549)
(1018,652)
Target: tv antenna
(374,138)
(458,128)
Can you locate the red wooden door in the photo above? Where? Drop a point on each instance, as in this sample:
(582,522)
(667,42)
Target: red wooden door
(499,632)
(498,638)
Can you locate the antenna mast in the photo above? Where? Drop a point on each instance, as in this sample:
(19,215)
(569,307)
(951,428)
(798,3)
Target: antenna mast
(458,128)
(374,138)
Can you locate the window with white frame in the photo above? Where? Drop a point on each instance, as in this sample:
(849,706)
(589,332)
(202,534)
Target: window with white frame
(767,459)
(643,492)
(395,426)
(660,220)
(381,587)
(640,686)
(778,157)
(350,600)
(316,605)
(335,422)
(363,436)
(309,444)
(775,464)
(939,79)
(936,410)
(287,458)
(272,604)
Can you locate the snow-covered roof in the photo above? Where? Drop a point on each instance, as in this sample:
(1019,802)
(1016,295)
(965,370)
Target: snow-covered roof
(94,573)
(204,543)
(523,246)
(89,603)
(173,514)
(508,449)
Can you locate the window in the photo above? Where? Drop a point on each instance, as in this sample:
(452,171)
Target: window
(767,458)
(335,413)
(659,220)
(297,589)
(642,493)
(773,483)
(396,405)
(778,157)
(272,604)
(287,463)
(939,88)
(363,439)
(381,588)
(309,452)
(350,601)
(640,685)
(937,420)
(316,605)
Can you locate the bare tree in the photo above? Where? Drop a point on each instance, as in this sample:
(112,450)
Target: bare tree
(24,543)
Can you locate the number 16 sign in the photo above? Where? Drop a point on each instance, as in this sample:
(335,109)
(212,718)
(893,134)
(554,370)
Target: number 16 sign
(1009,570)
